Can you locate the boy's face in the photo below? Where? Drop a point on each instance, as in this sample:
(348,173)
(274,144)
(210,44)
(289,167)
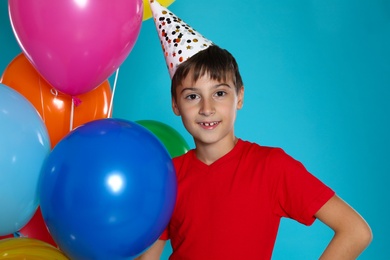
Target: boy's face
(208,109)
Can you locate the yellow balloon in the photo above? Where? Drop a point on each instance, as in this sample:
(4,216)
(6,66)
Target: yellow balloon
(148,12)
(29,249)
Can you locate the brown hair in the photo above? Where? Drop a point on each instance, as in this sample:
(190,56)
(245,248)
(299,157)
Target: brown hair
(218,63)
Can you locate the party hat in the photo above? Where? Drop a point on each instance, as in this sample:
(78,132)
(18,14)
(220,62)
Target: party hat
(179,41)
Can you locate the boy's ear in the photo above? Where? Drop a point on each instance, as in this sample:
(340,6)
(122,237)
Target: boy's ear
(175,108)
(240,98)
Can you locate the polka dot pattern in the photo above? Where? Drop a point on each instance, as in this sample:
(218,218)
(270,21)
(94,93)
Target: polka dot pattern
(179,41)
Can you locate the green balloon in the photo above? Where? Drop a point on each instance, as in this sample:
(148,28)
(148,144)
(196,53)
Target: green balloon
(172,140)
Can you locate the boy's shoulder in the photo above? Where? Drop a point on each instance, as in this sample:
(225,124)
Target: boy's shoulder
(252,147)
(264,155)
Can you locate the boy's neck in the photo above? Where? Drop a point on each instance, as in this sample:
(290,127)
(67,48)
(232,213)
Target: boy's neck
(209,153)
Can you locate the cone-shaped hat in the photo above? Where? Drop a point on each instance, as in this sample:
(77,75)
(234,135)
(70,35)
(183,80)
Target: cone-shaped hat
(179,41)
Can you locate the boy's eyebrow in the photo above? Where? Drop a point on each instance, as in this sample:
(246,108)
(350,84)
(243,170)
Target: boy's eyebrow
(215,86)
(222,84)
(190,89)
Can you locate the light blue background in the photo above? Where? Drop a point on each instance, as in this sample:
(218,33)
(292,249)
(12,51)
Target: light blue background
(317,78)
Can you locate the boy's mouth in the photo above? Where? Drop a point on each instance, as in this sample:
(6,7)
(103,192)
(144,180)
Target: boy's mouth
(209,124)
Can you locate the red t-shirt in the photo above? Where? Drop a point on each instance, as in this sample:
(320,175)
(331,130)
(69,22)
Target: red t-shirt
(231,209)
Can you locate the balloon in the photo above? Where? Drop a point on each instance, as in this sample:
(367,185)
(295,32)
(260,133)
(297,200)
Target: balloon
(54,107)
(36,228)
(108,190)
(76,45)
(6,236)
(148,11)
(24,145)
(172,140)
(29,249)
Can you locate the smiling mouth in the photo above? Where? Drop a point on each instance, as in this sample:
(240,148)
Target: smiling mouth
(208,124)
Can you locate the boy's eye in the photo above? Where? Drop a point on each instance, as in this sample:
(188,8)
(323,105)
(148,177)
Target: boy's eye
(191,96)
(220,93)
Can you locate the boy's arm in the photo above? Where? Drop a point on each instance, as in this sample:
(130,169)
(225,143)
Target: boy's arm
(154,252)
(352,233)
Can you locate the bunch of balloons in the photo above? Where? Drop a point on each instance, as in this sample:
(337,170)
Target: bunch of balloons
(73,181)
(55,107)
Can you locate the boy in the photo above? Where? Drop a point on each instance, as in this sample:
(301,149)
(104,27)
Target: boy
(232,193)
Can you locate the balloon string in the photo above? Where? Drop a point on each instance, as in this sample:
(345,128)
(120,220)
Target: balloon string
(43,109)
(71,115)
(113,93)
(74,103)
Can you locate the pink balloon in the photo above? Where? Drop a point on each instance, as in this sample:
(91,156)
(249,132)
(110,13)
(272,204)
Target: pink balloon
(76,44)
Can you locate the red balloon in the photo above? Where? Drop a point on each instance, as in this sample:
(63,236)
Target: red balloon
(7,236)
(54,107)
(36,228)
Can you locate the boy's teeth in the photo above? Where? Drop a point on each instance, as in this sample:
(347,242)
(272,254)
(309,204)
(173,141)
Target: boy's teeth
(209,124)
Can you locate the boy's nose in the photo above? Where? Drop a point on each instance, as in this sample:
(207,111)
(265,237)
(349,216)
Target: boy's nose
(207,108)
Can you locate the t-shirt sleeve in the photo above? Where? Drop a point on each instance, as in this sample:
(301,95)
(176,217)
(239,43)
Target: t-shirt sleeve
(298,194)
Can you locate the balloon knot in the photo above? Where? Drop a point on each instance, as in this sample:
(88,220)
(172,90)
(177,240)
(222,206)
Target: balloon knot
(53,91)
(76,101)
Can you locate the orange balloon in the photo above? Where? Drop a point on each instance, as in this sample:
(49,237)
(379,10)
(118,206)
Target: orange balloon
(55,107)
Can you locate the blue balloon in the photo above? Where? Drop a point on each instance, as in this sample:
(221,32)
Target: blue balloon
(24,145)
(108,190)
